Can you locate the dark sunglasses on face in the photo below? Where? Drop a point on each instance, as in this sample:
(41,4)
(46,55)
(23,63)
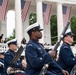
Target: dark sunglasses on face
(38,30)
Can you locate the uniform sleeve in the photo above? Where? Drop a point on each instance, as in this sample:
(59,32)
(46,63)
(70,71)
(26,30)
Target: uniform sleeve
(1,63)
(35,60)
(8,58)
(55,67)
(66,55)
(18,64)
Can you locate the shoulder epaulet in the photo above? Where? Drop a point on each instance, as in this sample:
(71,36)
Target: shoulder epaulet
(41,44)
(7,53)
(65,46)
(29,45)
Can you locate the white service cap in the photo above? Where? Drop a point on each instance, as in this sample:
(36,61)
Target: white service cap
(68,32)
(13,41)
(33,27)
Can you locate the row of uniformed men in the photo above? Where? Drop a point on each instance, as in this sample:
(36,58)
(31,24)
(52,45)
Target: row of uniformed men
(36,56)
(6,58)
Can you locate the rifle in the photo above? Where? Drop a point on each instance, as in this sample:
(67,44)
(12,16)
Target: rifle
(14,60)
(73,71)
(44,68)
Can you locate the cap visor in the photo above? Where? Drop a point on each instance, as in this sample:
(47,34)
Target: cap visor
(40,29)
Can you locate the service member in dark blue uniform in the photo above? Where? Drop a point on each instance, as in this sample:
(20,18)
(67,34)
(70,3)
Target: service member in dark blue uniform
(9,55)
(36,56)
(66,58)
(1,62)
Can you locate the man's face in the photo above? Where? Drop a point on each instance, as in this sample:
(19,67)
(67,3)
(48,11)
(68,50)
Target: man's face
(37,34)
(13,47)
(69,38)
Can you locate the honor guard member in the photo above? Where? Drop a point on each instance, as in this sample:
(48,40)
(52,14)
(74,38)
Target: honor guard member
(9,55)
(36,56)
(1,62)
(66,58)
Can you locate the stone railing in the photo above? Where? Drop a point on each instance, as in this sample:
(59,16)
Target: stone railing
(3,47)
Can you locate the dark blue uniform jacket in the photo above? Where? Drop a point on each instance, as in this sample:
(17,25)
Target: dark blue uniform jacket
(1,65)
(36,57)
(9,55)
(66,58)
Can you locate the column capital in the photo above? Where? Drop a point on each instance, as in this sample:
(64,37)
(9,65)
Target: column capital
(38,0)
(59,3)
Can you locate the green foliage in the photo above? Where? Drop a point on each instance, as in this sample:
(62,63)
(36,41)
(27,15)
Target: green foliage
(12,36)
(73,27)
(53,26)
(32,18)
(53,23)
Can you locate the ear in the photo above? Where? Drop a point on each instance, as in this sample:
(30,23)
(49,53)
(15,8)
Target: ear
(33,33)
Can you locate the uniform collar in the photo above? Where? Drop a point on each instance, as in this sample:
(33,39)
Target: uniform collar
(34,40)
(67,43)
(12,51)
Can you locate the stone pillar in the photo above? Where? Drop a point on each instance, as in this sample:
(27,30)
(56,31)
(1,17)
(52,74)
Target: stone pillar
(25,25)
(18,21)
(0,27)
(3,29)
(40,17)
(47,31)
(59,19)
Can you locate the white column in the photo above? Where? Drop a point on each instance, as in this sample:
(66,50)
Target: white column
(47,33)
(25,25)
(4,29)
(59,19)
(18,21)
(0,27)
(40,17)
